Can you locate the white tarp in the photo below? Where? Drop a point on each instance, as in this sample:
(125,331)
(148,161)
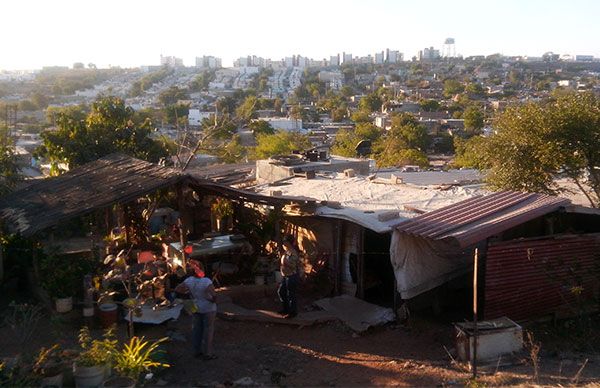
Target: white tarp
(356,313)
(158,316)
(419,267)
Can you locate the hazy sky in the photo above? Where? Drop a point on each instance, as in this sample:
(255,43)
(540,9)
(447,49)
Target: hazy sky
(36,33)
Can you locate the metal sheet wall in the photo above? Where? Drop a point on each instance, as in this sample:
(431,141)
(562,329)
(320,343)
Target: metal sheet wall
(531,278)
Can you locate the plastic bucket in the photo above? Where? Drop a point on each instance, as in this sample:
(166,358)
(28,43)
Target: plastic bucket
(108,314)
(64,305)
(53,381)
(88,311)
(88,376)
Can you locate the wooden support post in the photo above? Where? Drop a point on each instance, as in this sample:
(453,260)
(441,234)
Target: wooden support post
(360,265)
(338,257)
(475,329)
(278,237)
(182,210)
(182,242)
(127,224)
(1,264)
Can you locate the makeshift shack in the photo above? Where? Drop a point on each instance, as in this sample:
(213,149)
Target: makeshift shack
(538,253)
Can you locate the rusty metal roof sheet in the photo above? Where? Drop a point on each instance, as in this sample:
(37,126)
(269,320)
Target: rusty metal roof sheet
(112,179)
(530,278)
(478,218)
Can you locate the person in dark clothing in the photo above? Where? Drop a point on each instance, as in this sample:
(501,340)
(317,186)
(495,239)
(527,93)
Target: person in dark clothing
(289,268)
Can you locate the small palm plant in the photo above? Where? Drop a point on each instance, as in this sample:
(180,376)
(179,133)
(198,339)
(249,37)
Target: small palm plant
(138,356)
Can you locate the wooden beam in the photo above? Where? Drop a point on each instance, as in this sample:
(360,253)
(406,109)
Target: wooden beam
(337,244)
(360,270)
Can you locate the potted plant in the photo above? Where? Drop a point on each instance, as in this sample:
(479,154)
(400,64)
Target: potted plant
(93,364)
(221,209)
(48,367)
(14,373)
(59,278)
(135,357)
(59,286)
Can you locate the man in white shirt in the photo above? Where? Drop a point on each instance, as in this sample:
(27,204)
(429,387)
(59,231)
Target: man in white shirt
(203,292)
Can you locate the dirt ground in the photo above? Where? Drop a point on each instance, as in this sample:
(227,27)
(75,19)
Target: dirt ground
(266,354)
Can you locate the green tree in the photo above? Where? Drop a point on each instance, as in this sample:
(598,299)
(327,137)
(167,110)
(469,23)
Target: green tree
(452,87)
(298,112)
(429,105)
(172,95)
(473,117)
(226,105)
(144,83)
(75,113)
(261,127)
(339,113)
(360,116)
(177,114)
(231,151)
(347,140)
(402,157)
(468,152)
(407,129)
(108,128)
(282,142)
(475,89)
(9,171)
(535,142)
(27,106)
(347,91)
(247,110)
(370,103)
(202,81)
(403,144)
(40,100)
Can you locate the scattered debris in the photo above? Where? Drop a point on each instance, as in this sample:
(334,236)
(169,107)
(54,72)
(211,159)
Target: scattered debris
(245,382)
(176,336)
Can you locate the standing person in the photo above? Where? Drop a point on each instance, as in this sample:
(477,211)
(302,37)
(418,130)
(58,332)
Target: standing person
(289,267)
(203,292)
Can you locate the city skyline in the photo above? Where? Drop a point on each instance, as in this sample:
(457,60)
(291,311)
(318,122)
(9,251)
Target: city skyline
(134,33)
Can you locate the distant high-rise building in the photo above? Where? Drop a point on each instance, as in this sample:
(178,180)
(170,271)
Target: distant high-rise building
(379,58)
(301,61)
(241,62)
(334,60)
(252,61)
(208,62)
(393,56)
(346,58)
(289,61)
(429,54)
(171,61)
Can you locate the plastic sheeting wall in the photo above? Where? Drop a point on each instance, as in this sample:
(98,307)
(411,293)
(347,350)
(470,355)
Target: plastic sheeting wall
(315,239)
(419,266)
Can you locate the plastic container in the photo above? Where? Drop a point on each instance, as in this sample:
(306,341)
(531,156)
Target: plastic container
(88,376)
(64,305)
(108,313)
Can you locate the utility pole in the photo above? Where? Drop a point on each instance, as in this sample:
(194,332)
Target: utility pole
(475,329)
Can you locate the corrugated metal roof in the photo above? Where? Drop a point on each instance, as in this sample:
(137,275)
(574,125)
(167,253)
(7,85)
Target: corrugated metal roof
(112,179)
(226,174)
(531,278)
(478,218)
